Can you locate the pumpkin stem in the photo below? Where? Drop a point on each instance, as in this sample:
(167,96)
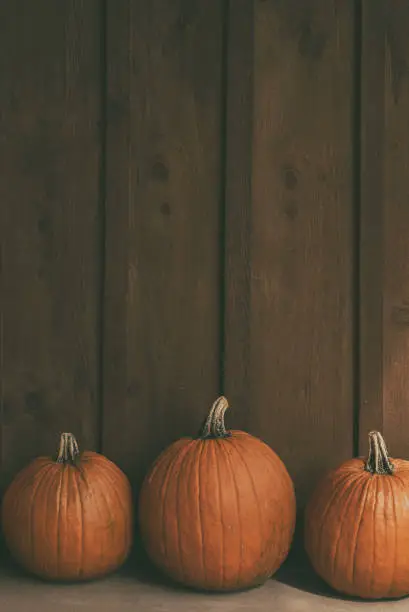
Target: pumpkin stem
(213,426)
(378,461)
(69,450)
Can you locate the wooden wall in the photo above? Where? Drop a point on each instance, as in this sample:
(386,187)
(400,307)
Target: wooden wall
(204,197)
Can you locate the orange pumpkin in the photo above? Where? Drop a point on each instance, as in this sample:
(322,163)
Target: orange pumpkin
(217,512)
(69,518)
(357,525)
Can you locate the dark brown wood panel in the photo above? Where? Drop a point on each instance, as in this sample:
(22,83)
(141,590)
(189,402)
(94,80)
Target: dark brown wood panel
(162,314)
(384,319)
(49,197)
(289,258)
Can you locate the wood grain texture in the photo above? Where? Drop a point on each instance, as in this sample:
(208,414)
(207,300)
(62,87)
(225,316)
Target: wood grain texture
(49,155)
(163,260)
(384,316)
(288,317)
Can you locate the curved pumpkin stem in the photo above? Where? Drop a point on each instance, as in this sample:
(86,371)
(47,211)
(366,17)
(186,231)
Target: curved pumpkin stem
(214,426)
(378,461)
(69,450)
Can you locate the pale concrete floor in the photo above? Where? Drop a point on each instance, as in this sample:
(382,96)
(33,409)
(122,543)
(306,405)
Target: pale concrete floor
(294,589)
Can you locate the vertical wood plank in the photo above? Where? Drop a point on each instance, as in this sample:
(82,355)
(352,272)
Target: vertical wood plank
(384,320)
(288,361)
(238,207)
(162,314)
(49,156)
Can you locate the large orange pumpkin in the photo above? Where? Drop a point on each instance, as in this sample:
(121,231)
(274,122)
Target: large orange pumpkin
(69,518)
(217,512)
(357,525)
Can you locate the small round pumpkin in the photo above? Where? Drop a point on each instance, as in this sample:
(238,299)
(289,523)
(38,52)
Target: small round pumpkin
(69,518)
(357,525)
(217,512)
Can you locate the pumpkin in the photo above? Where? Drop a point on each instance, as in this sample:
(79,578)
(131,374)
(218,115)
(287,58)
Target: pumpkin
(357,525)
(217,512)
(69,518)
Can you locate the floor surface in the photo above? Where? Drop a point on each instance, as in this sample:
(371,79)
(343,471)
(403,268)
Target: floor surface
(295,588)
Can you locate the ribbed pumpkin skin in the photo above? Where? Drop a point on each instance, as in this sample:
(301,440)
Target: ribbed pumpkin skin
(69,523)
(218,514)
(357,530)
